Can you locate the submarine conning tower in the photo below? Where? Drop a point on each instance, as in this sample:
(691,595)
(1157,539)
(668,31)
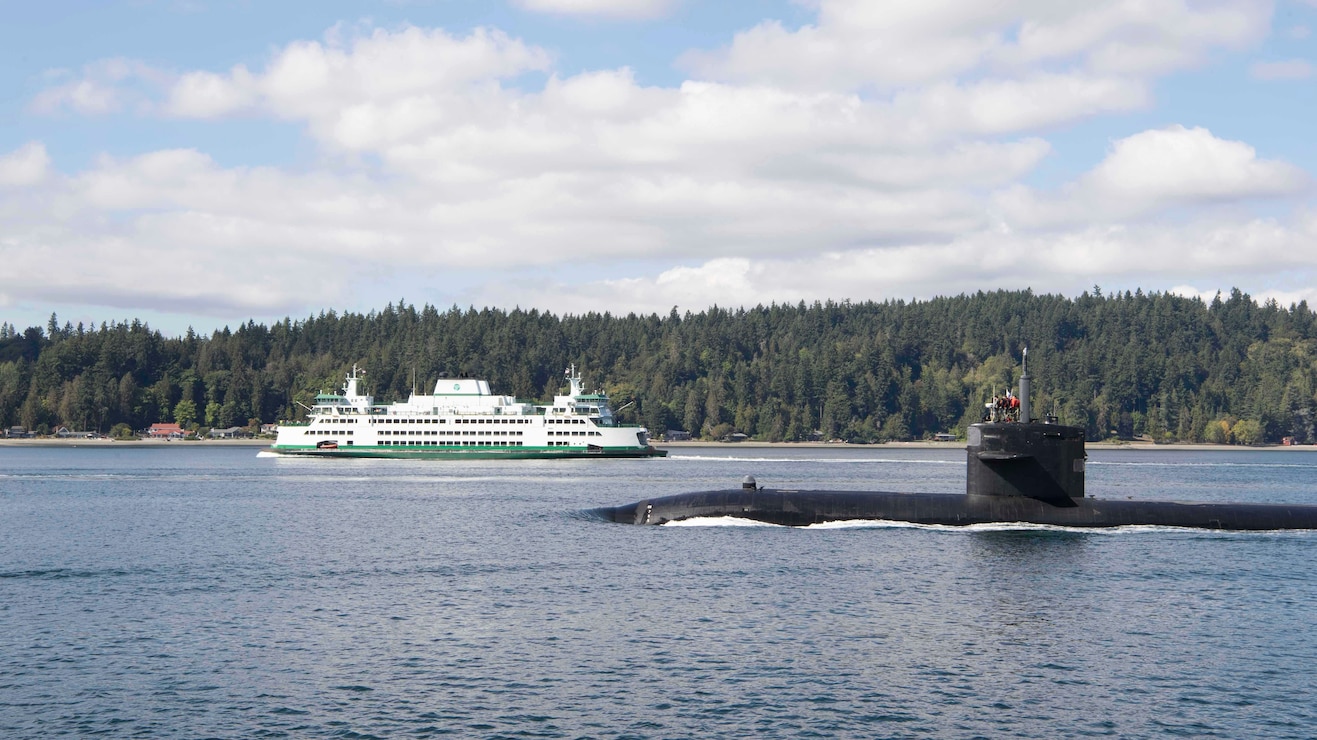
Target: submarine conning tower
(1040,461)
(1043,461)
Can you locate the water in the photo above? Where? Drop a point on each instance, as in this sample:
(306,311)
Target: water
(193,591)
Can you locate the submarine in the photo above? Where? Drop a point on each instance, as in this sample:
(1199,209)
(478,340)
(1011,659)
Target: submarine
(1018,470)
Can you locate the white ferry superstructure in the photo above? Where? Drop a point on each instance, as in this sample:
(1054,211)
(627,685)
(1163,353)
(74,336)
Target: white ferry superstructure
(462,419)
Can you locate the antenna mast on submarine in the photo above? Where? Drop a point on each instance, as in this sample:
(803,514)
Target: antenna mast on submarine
(1024,388)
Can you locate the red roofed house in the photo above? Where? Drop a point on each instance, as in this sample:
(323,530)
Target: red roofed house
(166,431)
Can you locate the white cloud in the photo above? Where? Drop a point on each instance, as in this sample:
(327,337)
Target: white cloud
(1292,69)
(860,43)
(1189,291)
(841,59)
(104,86)
(583,130)
(1150,256)
(27,165)
(856,173)
(80,96)
(1190,164)
(172,231)
(398,73)
(634,9)
(1155,170)
(1141,38)
(208,95)
(1010,106)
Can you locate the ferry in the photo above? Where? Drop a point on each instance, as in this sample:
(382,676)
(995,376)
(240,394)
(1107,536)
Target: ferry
(462,419)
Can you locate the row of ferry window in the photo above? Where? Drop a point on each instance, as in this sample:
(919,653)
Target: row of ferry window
(333,420)
(341,420)
(451,443)
(500,433)
(328,433)
(455,421)
(460,443)
(445,432)
(497,433)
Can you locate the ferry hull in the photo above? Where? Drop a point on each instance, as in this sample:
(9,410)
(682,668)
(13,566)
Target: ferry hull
(469,453)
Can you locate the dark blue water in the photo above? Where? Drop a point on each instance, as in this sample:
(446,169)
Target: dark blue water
(204,592)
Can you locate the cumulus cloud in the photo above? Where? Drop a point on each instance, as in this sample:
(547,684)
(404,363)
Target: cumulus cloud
(1148,256)
(859,43)
(1155,170)
(632,9)
(104,86)
(346,74)
(26,165)
(1187,164)
(887,157)
(171,230)
(1121,37)
(1292,69)
(84,96)
(208,95)
(1014,105)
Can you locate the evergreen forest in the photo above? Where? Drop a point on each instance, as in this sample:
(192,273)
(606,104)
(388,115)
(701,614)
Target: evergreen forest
(1127,365)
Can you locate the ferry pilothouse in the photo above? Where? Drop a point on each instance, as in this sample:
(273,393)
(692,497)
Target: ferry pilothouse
(462,419)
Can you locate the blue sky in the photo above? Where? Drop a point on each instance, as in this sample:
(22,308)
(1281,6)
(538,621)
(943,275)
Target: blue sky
(197,163)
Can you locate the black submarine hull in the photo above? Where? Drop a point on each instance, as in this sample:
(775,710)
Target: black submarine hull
(802,508)
(1015,472)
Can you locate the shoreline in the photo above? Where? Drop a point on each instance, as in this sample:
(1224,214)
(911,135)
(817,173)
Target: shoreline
(691,445)
(930,445)
(56,442)
(926,444)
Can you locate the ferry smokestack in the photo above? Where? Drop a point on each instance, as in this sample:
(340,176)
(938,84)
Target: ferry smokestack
(1025,416)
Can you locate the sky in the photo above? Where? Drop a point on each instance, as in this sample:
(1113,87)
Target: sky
(202,163)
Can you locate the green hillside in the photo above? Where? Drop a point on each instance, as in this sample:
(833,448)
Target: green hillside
(1126,365)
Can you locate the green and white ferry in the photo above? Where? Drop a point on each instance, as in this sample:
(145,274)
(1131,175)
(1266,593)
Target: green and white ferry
(462,419)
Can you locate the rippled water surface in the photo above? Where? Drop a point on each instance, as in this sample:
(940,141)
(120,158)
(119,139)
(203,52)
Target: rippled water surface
(200,591)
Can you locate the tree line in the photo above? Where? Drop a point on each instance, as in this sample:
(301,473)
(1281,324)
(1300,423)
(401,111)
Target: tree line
(1127,365)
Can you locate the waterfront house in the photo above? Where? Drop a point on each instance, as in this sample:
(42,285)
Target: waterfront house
(161,430)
